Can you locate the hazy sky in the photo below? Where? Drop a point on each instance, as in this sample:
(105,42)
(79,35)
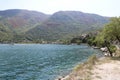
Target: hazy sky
(101,7)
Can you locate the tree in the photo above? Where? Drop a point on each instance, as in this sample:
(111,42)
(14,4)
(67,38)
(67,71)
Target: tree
(110,32)
(112,29)
(103,41)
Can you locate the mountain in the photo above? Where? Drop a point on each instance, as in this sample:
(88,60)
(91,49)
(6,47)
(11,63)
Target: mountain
(5,34)
(21,20)
(66,24)
(17,25)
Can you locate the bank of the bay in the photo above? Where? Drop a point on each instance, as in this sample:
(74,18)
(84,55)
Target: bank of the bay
(96,68)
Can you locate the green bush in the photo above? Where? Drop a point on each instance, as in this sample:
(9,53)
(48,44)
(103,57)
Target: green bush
(113,48)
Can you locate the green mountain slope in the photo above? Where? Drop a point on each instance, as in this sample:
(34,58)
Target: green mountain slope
(21,20)
(5,34)
(23,25)
(65,24)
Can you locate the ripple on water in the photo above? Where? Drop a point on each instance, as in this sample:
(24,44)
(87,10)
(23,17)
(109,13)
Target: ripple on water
(40,62)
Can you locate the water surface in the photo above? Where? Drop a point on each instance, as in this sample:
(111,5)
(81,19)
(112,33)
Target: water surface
(40,61)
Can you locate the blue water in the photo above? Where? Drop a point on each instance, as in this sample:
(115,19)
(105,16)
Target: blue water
(40,62)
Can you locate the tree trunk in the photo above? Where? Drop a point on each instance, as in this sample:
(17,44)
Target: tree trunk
(106,44)
(118,38)
(110,51)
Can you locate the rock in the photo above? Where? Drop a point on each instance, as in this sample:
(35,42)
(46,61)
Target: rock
(104,49)
(106,54)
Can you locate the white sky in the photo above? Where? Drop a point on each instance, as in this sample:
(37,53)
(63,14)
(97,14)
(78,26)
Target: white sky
(101,7)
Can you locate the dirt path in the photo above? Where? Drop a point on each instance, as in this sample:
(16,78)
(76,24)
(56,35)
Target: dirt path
(107,71)
(104,69)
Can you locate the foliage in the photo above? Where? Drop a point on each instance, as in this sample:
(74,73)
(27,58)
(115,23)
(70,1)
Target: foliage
(112,30)
(76,40)
(113,48)
(91,41)
(109,34)
(100,39)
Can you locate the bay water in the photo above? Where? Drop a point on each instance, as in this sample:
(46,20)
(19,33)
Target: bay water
(40,61)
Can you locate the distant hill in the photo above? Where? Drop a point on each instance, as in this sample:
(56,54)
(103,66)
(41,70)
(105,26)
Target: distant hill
(21,20)
(24,25)
(65,24)
(5,34)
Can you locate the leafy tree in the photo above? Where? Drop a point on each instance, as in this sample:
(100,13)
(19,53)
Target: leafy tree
(110,32)
(91,41)
(103,41)
(76,40)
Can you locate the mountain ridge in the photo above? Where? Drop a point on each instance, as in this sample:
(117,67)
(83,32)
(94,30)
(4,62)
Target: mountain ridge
(33,25)
(68,23)
(17,19)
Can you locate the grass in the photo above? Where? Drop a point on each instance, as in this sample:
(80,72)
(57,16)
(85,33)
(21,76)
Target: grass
(88,64)
(84,69)
(98,77)
(115,58)
(92,60)
(117,55)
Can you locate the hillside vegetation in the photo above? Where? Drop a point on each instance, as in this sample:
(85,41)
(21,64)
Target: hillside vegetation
(66,24)
(32,26)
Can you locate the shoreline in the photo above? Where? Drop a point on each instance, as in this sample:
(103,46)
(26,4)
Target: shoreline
(105,68)
(81,66)
(65,77)
(95,62)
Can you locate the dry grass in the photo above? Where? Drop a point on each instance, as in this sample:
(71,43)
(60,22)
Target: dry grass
(84,70)
(88,64)
(98,77)
(117,53)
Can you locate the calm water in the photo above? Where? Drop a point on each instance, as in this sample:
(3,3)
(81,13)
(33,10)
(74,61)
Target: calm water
(40,62)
